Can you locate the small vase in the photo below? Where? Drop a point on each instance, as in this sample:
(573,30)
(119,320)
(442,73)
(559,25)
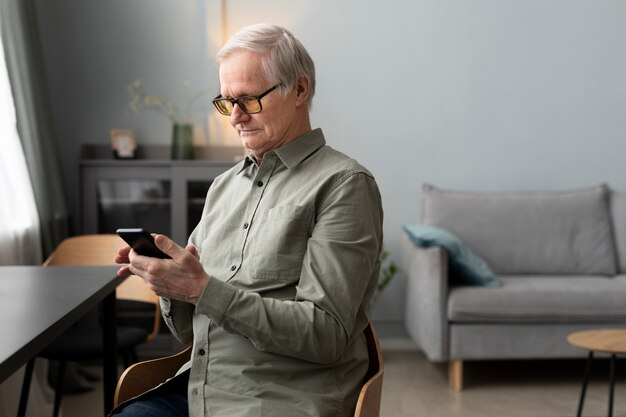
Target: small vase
(182,141)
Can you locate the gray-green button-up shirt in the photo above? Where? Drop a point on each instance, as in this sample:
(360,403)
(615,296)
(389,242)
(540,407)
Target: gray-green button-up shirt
(292,248)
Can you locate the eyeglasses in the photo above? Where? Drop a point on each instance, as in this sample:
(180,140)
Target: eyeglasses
(249,104)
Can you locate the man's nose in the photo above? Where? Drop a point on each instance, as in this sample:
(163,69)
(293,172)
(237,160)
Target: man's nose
(238,115)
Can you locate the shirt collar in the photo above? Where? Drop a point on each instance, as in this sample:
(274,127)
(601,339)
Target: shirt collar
(247,161)
(294,152)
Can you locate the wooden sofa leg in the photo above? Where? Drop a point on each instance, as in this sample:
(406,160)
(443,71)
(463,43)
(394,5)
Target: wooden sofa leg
(455,375)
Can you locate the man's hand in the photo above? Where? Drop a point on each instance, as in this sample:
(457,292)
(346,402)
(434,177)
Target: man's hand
(181,278)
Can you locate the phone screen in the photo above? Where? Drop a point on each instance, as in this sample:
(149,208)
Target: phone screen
(142,242)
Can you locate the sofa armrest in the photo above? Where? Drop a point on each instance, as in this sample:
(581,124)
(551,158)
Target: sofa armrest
(427,295)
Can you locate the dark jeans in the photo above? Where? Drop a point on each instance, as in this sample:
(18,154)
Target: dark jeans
(167,401)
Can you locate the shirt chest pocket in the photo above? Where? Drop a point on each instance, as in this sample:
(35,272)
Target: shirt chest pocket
(280,242)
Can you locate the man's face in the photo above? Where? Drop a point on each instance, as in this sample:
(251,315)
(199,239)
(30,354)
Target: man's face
(241,74)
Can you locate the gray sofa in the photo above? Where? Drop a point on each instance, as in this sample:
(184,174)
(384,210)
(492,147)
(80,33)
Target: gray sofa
(560,260)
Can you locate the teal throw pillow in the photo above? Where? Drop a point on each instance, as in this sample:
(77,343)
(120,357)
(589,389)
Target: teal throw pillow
(465,267)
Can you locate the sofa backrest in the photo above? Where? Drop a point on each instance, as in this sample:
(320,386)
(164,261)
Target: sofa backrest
(618,215)
(543,232)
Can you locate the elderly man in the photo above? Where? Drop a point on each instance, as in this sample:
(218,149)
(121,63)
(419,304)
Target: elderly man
(274,287)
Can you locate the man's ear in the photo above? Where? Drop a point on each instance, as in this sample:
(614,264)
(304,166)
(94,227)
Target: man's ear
(303,89)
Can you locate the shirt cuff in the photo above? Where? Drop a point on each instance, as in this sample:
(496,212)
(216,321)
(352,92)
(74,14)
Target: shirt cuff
(168,306)
(215,299)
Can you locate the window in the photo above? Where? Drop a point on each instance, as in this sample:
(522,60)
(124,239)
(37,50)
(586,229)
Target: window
(19,223)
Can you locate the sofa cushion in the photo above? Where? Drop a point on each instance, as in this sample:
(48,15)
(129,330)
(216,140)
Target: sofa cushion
(465,267)
(618,214)
(542,232)
(542,299)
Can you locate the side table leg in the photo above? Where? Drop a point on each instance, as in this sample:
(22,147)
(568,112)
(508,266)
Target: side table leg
(581,402)
(612,385)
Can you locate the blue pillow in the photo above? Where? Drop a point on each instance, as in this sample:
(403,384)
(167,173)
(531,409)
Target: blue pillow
(465,267)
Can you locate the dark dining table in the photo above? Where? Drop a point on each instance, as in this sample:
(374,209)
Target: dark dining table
(38,303)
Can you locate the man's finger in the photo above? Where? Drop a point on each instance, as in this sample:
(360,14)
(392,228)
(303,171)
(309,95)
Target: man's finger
(167,245)
(124,271)
(192,249)
(121,259)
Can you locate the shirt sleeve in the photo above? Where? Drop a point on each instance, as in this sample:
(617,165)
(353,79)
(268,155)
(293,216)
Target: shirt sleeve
(339,275)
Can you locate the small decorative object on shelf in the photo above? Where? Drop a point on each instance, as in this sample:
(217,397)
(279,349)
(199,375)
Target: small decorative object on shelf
(123,144)
(182,129)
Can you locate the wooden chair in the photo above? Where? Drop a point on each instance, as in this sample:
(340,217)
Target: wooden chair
(143,376)
(85,342)
(100,250)
(368,404)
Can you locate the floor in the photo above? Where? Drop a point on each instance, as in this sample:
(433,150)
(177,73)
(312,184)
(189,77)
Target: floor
(415,387)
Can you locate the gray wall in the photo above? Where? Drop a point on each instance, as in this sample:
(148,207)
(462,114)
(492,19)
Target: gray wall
(489,95)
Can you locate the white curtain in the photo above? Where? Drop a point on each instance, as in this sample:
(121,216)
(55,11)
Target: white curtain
(19,240)
(19,224)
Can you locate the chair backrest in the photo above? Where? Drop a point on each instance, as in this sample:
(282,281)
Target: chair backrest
(100,250)
(93,250)
(145,375)
(368,404)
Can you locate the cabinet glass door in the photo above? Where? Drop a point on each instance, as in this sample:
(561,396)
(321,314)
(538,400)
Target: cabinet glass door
(196,194)
(134,203)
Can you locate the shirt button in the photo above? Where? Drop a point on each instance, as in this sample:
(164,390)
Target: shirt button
(201,352)
(232,268)
(194,391)
(259,183)
(245,225)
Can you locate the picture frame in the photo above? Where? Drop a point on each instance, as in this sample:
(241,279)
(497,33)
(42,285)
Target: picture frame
(123,144)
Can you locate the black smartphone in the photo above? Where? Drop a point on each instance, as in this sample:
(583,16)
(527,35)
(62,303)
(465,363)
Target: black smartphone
(142,242)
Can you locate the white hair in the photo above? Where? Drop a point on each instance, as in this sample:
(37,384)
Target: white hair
(284,58)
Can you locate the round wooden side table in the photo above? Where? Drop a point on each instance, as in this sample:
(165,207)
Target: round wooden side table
(611,341)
